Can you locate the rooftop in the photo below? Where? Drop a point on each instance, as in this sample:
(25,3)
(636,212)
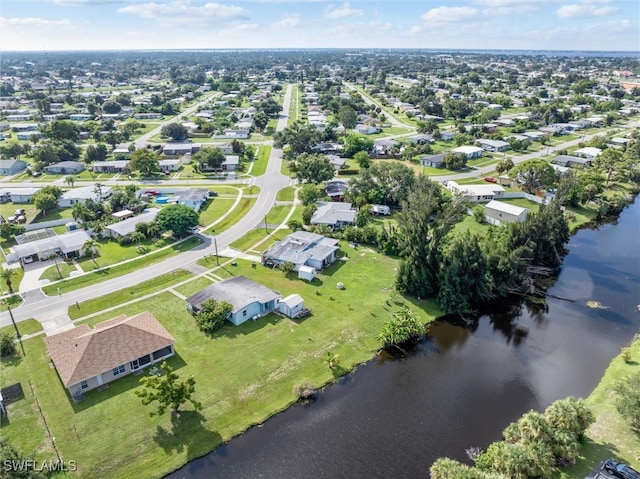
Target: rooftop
(239,291)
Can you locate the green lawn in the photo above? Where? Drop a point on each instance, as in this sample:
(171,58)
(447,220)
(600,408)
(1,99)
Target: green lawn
(51,273)
(56,214)
(242,209)
(215,209)
(127,294)
(13,301)
(28,326)
(194,286)
(15,281)
(235,393)
(255,235)
(286,194)
(112,252)
(610,435)
(261,161)
(118,270)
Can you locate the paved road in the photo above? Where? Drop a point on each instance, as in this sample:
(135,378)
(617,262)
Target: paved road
(38,306)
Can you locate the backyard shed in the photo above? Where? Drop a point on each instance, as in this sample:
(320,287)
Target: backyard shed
(306,272)
(291,305)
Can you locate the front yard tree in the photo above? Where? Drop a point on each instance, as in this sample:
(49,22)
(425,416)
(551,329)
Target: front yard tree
(92,247)
(310,193)
(7,274)
(347,116)
(213,315)
(44,201)
(97,152)
(312,168)
(177,218)
(505,166)
(211,157)
(534,174)
(145,161)
(363,159)
(167,390)
(175,131)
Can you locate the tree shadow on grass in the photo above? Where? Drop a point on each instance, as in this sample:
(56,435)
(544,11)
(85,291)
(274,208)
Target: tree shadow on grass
(123,384)
(188,432)
(592,454)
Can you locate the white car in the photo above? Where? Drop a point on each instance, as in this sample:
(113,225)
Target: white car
(28,259)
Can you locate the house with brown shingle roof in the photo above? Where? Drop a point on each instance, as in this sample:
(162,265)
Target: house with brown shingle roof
(88,358)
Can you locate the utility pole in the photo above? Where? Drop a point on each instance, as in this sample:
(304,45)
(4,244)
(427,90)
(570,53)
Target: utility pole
(265,224)
(14,325)
(215,243)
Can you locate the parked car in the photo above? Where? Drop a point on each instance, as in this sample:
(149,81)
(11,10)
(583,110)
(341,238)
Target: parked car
(151,192)
(19,211)
(490,179)
(620,469)
(28,259)
(212,193)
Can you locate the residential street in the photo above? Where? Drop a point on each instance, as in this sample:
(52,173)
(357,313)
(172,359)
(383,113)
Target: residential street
(40,307)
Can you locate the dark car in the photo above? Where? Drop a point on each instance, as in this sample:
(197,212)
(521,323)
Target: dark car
(152,192)
(619,469)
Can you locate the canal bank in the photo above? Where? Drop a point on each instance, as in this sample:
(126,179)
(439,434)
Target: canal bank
(463,385)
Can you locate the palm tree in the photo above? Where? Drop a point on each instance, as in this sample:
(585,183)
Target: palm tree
(69,180)
(7,274)
(154,229)
(92,246)
(54,257)
(97,189)
(136,237)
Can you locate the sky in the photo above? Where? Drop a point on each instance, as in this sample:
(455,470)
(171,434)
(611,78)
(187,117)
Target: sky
(49,25)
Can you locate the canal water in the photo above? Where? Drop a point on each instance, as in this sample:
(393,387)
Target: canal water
(462,385)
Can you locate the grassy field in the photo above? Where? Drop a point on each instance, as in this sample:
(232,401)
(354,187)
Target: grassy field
(255,235)
(194,286)
(215,209)
(610,435)
(28,326)
(51,273)
(120,269)
(286,194)
(127,294)
(261,161)
(15,281)
(242,209)
(110,433)
(13,301)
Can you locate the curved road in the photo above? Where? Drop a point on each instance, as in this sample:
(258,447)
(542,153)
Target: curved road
(40,307)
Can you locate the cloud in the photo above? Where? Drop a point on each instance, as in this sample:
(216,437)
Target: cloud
(288,21)
(344,10)
(584,9)
(91,3)
(181,12)
(449,14)
(507,7)
(33,22)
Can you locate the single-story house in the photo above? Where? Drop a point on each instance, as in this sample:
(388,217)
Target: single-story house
(249,299)
(87,358)
(230,163)
(498,212)
(533,135)
(20,117)
(383,146)
(302,248)
(193,198)
(123,215)
(365,129)
(169,165)
(434,161)
(620,141)
(336,189)
(121,151)
(569,161)
(181,148)
(18,195)
(447,135)
(337,162)
(230,133)
(244,124)
(124,228)
(327,148)
(11,167)
(64,167)
(469,151)
(493,145)
(476,193)
(421,139)
(80,117)
(588,152)
(291,305)
(334,214)
(81,195)
(113,166)
(28,135)
(227,148)
(147,116)
(68,245)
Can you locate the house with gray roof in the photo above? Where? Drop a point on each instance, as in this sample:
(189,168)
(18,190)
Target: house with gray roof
(193,198)
(67,245)
(250,300)
(64,167)
(569,161)
(493,145)
(82,195)
(434,161)
(122,229)
(11,167)
(113,166)
(302,248)
(333,214)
